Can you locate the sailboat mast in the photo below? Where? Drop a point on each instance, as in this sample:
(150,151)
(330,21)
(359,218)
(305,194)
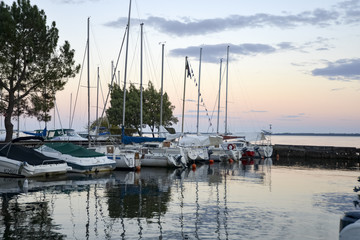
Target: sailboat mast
(141,79)
(126,57)
(183,110)
(227,77)
(162,85)
(218,115)
(88,77)
(97,98)
(198,105)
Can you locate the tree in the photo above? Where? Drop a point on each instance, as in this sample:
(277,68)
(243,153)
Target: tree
(151,108)
(152,102)
(32,69)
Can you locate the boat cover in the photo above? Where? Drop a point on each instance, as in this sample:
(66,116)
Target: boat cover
(73,150)
(24,154)
(128,139)
(200,141)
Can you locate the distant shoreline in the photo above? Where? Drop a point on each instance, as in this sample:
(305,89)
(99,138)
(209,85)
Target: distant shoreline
(318,134)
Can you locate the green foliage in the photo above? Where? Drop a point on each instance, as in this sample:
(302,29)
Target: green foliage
(32,69)
(151,108)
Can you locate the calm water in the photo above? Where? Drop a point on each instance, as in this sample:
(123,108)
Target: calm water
(219,201)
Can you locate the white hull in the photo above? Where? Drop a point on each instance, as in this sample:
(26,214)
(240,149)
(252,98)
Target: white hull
(124,158)
(162,160)
(11,167)
(82,165)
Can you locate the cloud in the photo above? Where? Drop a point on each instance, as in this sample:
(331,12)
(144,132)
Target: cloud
(213,53)
(347,12)
(295,117)
(351,10)
(337,89)
(76,1)
(258,111)
(342,70)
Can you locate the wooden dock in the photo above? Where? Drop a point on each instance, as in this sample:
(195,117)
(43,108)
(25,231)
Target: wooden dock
(325,156)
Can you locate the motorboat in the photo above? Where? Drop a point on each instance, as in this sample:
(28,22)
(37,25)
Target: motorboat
(157,154)
(125,158)
(197,147)
(19,161)
(61,134)
(82,160)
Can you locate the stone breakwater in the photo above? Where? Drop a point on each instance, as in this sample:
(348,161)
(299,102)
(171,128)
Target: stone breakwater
(325,156)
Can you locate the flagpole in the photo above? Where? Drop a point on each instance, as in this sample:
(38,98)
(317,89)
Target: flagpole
(183,110)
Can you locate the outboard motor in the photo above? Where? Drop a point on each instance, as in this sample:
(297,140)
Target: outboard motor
(179,160)
(348,228)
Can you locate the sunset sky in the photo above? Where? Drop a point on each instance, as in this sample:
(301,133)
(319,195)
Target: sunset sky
(292,64)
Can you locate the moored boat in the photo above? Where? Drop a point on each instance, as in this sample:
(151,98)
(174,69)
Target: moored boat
(124,158)
(79,158)
(19,161)
(157,154)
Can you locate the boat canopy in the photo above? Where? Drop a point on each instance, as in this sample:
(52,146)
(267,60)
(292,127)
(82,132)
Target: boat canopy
(24,154)
(73,150)
(128,140)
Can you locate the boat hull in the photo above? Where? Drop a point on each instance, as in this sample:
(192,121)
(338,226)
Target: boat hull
(83,165)
(9,167)
(124,158)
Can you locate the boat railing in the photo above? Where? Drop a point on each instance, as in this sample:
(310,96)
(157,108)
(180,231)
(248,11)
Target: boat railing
(49,161)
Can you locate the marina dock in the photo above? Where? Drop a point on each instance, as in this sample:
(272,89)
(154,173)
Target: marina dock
(325,156)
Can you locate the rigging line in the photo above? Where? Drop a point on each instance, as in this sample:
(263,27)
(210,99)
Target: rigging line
(112,77)
(134,55)
(96,46)
(78,88)
(150,68)
(178,98)
(57,111)
(202,99)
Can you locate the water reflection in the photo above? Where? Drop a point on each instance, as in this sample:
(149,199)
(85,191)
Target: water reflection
(152,203)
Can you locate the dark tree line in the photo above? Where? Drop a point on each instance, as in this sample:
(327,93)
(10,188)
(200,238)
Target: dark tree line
(151,108)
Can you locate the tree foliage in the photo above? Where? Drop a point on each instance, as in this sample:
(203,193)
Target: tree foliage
(32,68)
(151,108)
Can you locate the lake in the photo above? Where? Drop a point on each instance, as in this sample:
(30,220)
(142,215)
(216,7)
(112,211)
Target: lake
(218,201)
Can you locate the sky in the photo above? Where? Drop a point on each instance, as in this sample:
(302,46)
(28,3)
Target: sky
(292,65)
